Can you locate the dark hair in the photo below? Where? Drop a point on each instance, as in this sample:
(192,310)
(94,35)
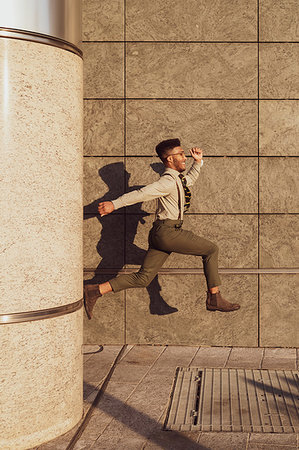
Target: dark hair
(163,147)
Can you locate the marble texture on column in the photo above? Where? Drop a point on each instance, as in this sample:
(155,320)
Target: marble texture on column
(279,243)
(224,185)
(193,324)
(279,127)
(41,380)
(103,127)
(218,127)
(279,184)
(191,20)
(41,240)
(103,69)
(192,70)
(235,235)
(279,20)
(279,70)
(41,170)
(279,315)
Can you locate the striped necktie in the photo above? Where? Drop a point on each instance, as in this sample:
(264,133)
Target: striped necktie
(187,192)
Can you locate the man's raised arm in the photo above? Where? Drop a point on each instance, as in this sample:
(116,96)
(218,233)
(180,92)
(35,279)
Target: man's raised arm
(193,172)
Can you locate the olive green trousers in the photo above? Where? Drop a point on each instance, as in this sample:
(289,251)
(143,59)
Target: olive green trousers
(167,236)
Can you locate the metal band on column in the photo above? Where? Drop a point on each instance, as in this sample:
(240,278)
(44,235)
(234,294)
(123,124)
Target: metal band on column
(40,314)
(39,38)
(52,22)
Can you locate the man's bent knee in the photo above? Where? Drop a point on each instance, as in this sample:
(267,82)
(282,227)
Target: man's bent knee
(213,248)
(216,248)
(143,279)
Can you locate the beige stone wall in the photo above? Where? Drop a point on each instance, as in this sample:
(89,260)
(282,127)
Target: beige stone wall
(221,75)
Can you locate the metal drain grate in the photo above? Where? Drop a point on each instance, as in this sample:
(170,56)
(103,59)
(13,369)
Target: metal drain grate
(264,401)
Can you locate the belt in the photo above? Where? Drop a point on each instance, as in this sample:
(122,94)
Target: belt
(169,223)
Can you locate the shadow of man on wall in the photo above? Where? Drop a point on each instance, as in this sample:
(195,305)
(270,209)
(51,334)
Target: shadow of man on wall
(116,245)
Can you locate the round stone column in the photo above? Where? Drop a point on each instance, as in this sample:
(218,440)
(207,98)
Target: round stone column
(41,220)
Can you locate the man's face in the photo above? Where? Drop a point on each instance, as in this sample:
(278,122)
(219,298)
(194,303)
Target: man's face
(178,159)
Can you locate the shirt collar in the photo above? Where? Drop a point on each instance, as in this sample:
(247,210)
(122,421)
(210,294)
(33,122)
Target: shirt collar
(172,171)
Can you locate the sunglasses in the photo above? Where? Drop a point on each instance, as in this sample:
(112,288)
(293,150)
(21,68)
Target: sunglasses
(179,153)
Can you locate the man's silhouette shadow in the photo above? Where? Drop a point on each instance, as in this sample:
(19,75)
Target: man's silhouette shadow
(113,234)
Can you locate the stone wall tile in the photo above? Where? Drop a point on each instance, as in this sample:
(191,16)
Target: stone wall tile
(279,70)
(102,21)
(104,180)
(103,70)
(279,310)
(104,241)
(108,323)
(279,127)
(191,20)
(235,235)
(279,184)
(279,20)
(218,127)
(103,127)
(224,185)
(279,243)
(193,324)
(193,70)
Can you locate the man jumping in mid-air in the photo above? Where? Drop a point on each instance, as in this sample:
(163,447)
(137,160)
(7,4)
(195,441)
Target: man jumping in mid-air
(166,235)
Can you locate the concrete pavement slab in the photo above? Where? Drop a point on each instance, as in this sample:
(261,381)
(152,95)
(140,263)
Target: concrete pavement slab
(221,441)
(210,357)
(279,358)
(272,447)
(173,440)
(247,358)
(273,438)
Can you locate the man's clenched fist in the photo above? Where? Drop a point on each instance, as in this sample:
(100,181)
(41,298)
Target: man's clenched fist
(196,153)
(105,208)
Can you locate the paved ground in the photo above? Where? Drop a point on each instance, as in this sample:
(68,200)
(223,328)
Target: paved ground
(131,411)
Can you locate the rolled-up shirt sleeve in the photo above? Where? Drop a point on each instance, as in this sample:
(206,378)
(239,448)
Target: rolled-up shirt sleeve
(193,173)
(159,188)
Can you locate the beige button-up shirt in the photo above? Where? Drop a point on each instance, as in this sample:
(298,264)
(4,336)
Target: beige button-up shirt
(166,190)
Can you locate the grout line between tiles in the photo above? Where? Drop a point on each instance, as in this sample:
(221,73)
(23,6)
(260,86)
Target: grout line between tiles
(228,356)
(206,214)
(247,441)
(192,359)
(195,271)
(187,42)
(125,165)
(206,156)
(258,177)
(263,357)
(194,98)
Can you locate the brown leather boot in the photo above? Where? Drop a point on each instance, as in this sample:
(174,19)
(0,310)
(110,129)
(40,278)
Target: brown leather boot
(215,302)
(91,294)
